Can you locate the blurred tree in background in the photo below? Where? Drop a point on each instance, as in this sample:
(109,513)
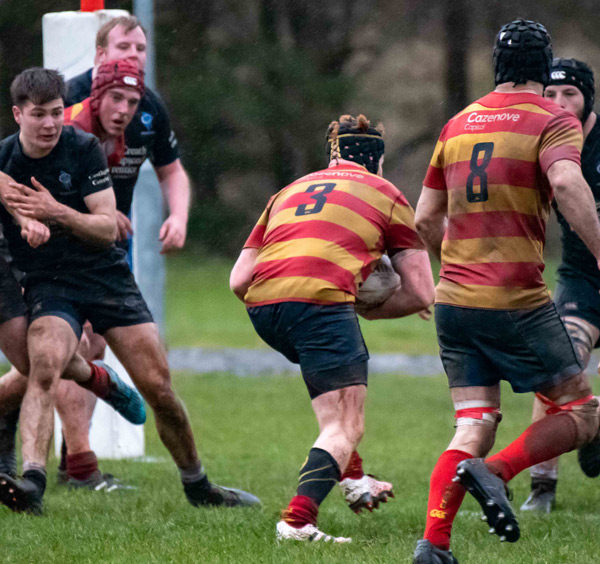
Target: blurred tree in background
(251,85)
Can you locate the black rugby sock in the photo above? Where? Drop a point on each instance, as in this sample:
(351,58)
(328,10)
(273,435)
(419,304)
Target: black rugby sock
(318,475)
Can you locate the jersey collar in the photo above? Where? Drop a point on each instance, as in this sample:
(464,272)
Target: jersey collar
(343,163)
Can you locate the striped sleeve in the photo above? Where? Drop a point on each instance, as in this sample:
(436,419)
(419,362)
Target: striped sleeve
(255,240)
(434,178)
(562,139)
(401,233)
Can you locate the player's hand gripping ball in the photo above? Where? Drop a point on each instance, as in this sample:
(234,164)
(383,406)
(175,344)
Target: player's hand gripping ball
(378,287)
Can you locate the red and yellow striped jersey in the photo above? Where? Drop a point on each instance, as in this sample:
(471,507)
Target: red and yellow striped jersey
(492,159)
(321,236)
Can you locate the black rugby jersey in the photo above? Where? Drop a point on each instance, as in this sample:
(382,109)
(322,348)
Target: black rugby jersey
(74,169)
(577,261)
(149,135)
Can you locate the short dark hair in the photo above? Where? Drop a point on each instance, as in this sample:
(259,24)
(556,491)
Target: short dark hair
(129,23)
(37,85)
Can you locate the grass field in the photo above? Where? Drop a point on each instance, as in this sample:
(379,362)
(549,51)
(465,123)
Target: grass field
(202,312)
(254,434)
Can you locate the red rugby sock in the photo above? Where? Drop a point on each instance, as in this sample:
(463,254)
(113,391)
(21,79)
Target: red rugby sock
(81,465)
(301,511)
(552,436)
(354,470)
(99,382)
(445,498)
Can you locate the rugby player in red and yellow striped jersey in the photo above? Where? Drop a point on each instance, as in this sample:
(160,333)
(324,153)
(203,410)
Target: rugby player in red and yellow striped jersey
(299,273)
(320,237)
(491,162)
(483,210)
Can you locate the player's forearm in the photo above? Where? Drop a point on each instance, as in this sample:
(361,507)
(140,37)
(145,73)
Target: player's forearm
(401,303)
(96,228)
(175,186)
(241,274)
(416,291)
(432,233)
(5,188)
(576,203)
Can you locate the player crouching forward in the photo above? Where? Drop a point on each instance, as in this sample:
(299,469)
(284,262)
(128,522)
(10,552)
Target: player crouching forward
(79,275)
(298,274)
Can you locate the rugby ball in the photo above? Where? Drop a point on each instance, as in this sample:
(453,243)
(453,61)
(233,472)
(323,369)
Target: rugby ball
(379,286)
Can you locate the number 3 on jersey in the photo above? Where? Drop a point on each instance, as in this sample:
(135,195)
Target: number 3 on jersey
(478,171)
(319,197)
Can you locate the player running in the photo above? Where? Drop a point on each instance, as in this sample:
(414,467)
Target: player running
(483,211)
(116,92)
(148,135)
(577,297)
(80,275)
(299,272)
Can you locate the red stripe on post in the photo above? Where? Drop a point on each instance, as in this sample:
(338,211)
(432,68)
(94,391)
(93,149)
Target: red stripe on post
(92,5)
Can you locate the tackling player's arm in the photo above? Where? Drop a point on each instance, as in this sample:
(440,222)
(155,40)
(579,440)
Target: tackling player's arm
(416,290)
(241,275)
(98,227)
(175,185)
(431,219)
(576,202)
(32,230)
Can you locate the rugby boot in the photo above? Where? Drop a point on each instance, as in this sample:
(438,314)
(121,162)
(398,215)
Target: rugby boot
(22,496)
(366,492)
(308,533)
(124,399)
(205,493)
(426,553)
(98,482)
(490,492)
(588,457)
(8,432)
(62,478)
(542,497)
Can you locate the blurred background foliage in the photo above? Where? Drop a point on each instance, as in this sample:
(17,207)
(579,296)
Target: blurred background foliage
(251,85)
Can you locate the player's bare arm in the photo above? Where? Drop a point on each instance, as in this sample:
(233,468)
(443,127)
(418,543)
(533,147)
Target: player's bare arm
(175,186)
(98,227)
(431,219)
(32,230)
(416,290)
(576,202)
(241,275)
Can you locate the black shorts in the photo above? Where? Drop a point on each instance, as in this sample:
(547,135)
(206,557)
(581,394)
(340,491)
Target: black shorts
(529,348)
(578,297)
(105,294)
(324,339)
(12,303)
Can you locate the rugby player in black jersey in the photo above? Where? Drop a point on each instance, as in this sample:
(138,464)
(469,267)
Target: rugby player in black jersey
(577,296)
(116,92)
(148,135)
(61,178)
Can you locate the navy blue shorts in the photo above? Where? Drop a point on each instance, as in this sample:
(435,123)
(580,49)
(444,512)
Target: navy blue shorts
(324,339)
(578,297)
(104,294)
(11,295)
(529,348)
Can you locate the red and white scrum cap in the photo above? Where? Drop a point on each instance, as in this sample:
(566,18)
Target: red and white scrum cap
(118,73)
